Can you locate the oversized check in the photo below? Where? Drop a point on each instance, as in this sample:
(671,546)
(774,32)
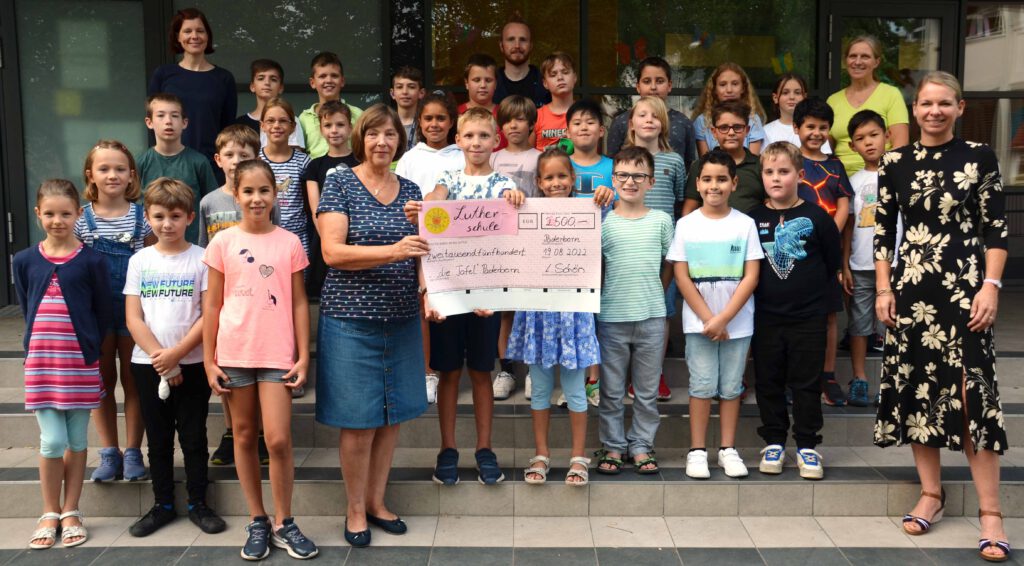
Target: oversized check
(486,254)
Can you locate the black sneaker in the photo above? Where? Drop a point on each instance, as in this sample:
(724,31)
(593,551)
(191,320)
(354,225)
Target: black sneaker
(224,455)
(152,521)
(832,393)
(206,519)
(261,447)
(291,539)
(257,546)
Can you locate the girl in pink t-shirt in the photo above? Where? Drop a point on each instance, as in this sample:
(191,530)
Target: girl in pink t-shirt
(256,331)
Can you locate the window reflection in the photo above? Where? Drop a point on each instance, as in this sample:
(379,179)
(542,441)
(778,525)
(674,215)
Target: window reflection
(999,122)
(993,48)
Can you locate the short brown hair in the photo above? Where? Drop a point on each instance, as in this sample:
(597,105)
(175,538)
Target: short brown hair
(556,57)
(326,58)
(179,19)
(333,107)
(164,97)
(482,60)
(517,106)
(374,117)
(409,73)
(783,148)
(279,103)
(239,134)
(170,194)
(477,114)
(636,155)
(58,188)
(734,107)
(134,189)
(264,65)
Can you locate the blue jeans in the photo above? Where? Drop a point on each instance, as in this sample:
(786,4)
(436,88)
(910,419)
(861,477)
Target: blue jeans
(716,368)
(647,339)
(62,430)
(574,387)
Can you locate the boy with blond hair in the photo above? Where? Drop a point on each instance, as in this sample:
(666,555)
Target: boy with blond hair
(327,78)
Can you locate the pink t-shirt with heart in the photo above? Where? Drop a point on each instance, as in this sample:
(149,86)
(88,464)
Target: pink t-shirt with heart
(256,325)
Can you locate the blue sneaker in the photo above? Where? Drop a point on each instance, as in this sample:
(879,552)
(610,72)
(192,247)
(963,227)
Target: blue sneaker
(858,393)
(488,472)
(291,539)
(111,466)
(447,470)
(134,467)
(256,546)
(773,457)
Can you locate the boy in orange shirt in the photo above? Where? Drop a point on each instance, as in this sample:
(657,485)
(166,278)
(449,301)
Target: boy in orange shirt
(559,76)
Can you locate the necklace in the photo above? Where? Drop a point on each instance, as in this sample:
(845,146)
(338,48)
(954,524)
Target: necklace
(381,185)
(782,212)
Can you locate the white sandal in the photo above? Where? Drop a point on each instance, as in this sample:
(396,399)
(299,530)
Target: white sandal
(73,531)
(574,473)
(535,469)
(44,533)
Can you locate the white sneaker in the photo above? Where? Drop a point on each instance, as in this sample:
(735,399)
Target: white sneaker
(432,380)
(503,386)
(730,461)
(809,462)
(298,392)
(773,457)
(528,388)
(697,464)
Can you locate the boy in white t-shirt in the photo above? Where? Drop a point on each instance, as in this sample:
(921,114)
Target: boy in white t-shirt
(867,138)
(163,298)
(717,259)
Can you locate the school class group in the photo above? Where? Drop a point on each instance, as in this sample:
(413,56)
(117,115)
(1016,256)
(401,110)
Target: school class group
(188,270)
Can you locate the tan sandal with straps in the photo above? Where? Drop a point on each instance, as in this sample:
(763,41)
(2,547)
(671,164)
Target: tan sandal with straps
(44,533)
(535,469)
(583,474)
(74,531)
(984,543)
(925,524)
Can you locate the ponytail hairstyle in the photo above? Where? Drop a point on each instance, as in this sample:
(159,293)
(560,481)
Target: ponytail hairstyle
(555,151)
(438,97)
(254,165)
(58,188)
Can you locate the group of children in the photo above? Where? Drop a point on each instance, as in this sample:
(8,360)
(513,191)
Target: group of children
(750,243)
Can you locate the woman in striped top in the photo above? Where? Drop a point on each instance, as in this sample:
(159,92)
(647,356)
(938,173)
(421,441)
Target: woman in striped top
(63,291)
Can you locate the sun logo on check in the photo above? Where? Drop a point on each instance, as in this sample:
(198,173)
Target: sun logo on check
(437,220)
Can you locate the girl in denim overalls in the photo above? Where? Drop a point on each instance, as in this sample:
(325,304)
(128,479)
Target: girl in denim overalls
(113,224)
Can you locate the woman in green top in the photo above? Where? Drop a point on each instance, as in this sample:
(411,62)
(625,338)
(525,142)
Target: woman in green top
(863,56)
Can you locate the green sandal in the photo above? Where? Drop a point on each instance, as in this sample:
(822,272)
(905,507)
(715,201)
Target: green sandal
(614,464)
(650,459)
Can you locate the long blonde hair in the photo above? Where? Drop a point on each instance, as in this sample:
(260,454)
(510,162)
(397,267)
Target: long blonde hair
(709,99)
(657,106)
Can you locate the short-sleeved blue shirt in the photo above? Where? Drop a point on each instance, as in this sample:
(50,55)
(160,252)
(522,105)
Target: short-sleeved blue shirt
(385,292)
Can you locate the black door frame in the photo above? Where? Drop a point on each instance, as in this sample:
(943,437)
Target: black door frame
(13,202)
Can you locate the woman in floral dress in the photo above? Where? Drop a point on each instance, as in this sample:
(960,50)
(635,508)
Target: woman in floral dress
(938,374)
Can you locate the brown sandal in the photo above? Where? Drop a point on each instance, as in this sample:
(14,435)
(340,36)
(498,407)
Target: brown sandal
(984,543)
(925,524)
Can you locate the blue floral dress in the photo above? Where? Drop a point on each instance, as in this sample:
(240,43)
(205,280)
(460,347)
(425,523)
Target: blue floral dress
(549,339)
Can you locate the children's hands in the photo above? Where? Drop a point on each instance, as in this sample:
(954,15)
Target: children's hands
(483,312)
(164,360)
(715,328)
(412,211)
(515,197)
(409,247)
(603,196)
(847,281)
(217,379)
(430,313)
(296,377)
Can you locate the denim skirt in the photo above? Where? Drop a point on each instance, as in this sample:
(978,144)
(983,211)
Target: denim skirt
(370,373)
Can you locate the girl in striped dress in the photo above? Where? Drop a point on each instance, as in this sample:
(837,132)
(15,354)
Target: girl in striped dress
(63,290)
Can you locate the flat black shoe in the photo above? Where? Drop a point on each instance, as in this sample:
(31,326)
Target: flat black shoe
(394,526)
(358,540)
(204,518)
(152,521)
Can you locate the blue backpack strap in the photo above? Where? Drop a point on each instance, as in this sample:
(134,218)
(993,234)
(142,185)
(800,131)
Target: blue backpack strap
(90,217)
(138,222)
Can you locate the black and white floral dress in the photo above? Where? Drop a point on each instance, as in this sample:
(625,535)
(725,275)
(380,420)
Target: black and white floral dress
(952,203)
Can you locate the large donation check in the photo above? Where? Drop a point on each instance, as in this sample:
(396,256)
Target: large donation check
(486,254)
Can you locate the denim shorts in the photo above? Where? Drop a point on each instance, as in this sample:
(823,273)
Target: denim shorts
(369,372)
(863,321)
(716,368)
(672,295)
(244,377)
(118,323)
(464,339)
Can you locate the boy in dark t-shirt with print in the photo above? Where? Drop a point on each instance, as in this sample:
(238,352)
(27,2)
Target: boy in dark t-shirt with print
(801,257)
